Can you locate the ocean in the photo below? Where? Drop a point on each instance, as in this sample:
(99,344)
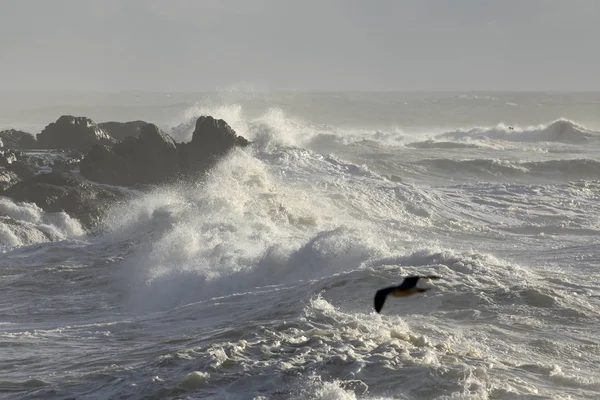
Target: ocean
(257,282)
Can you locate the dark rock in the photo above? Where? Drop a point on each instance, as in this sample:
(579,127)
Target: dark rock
(20,163)
(15,139)
(70,132)
(15,168)
(7,179)
(215,135)
(152,157)
(122,130)
(8,156)
(211,139)
(44,161)
(102,164)
(27,141)
(57,192)
(61,166)
(148,158)
(22,169)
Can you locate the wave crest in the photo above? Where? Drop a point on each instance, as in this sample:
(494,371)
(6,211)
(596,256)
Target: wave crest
(561,131)
(554,169)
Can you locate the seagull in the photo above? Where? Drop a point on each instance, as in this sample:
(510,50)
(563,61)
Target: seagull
(407,288)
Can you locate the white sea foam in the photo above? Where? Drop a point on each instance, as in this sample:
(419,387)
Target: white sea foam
(26,223)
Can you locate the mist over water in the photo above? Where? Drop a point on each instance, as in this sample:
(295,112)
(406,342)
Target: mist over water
(420,112)
(258,281)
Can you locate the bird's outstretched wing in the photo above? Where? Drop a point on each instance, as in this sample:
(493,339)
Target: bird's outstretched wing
(411,281)
(380,297)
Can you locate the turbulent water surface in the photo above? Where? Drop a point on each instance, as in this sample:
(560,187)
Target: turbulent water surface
(258,282)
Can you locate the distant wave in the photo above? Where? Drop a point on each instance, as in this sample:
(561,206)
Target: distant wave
(432,144)
(476,97)
(274,126)
(584,168)
(561,131)
(271,127)
(574,168)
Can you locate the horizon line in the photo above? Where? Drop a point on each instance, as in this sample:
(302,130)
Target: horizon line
(123,91)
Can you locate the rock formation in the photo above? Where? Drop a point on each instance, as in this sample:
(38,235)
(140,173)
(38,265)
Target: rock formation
(212,138)
(14,167)
(15,139)
(154,157)
(56,192)
(70,132)
(49,178)
(151,157)
(122,130)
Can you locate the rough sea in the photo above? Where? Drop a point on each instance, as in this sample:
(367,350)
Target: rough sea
(258,281)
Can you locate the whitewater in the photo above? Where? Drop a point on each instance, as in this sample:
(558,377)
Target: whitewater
(257,282)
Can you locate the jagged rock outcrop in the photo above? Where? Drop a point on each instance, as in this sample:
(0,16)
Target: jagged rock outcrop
(69,132)
(15,139)
(122,130)
(154,157)
(151,157)
(8,156)
(14,167)
(148,158)
(7,178)
(22,169)
(56,192)
(212,138)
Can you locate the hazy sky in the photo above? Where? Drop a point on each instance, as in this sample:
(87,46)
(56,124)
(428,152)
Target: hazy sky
(194,45)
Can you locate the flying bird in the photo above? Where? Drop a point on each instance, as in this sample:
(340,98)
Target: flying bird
(407,288)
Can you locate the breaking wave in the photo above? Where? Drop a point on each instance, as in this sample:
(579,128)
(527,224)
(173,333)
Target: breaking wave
(554,169)
(25,224)
(560,130)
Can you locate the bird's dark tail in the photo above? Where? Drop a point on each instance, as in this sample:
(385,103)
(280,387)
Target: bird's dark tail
(423,290)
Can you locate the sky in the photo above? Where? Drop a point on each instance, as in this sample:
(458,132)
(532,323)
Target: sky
(203,45)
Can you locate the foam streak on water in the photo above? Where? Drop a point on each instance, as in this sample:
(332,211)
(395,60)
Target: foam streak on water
(258,282)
